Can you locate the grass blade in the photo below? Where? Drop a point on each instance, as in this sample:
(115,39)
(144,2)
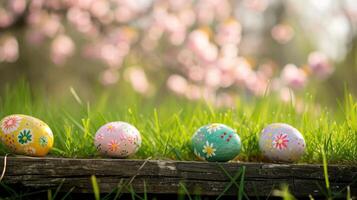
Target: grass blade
(327,182)
(95,187)
(68,193)
(185,190)
(241,184)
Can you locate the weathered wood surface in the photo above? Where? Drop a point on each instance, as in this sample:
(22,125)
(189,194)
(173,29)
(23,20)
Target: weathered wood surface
(165,176)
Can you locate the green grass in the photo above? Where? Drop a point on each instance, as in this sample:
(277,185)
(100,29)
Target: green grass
(167,122)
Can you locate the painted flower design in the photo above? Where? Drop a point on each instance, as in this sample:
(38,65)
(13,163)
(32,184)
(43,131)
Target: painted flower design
(25,136)
(110,128)
(213,127)
(30,150)
(208,149)
(43,141)
(280,141)
(10,124)
(130,140)
(122,136)
(113,145)
(100,136)
(198,154)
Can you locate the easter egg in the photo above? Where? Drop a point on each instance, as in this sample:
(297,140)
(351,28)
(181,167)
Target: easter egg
(282,142)
(216,143)
(117,139)
(26,135)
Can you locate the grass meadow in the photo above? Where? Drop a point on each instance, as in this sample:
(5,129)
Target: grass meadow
(167,123)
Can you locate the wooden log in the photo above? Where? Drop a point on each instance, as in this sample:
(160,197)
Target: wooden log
(168,177)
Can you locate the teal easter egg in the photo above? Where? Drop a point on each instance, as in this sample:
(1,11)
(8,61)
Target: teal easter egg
(216,143)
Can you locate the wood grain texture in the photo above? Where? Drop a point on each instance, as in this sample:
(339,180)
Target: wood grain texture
(164,177)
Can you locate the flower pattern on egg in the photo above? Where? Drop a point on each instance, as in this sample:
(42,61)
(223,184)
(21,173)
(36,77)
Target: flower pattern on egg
(113,145)
(26,135)
(198,154)
(30,150)
(43,141)
(208,149)
(215,142)
(99,136)
(281,142)
(117,139)
(10,124)
(213,127)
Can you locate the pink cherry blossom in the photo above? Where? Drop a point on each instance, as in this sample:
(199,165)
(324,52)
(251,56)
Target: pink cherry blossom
(138,79)
(111,55)
(287,95)
(257,84)
(51,25)
(229,50)
(229,32)
(293,76)
(100,8)
(177,84)
(213,77)
(256,5)
(320,65)
(80,19)
(9,49)
(194,92)
(242,71)
(62,48)
(206,49)
(17,6)
(6,18)
(197,40)
(282,33)
(109,77)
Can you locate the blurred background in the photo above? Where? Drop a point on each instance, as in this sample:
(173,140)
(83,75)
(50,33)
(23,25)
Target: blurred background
(216,50)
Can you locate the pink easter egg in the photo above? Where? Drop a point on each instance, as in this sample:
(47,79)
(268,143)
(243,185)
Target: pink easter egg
(117,139)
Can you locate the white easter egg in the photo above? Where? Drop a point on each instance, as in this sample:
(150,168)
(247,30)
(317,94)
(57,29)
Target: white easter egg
(282,142)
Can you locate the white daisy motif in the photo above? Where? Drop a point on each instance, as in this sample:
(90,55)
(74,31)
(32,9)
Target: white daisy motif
(10,124)
(208,149)
(198,154)
(213,127)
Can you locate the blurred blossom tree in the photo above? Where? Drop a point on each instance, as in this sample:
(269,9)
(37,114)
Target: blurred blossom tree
(212,49)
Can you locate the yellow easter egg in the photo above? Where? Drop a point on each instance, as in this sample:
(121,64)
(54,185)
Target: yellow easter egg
(26,135)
